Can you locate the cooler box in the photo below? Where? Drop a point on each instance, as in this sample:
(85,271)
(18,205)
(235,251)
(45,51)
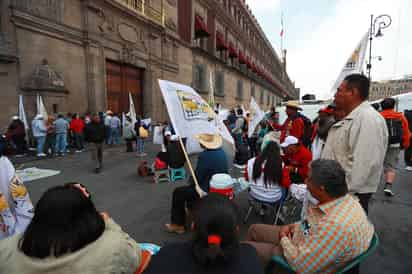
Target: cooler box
(222,184)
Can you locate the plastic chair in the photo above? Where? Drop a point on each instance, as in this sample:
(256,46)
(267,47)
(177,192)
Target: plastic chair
(161,175)
(279,260)
(177,174)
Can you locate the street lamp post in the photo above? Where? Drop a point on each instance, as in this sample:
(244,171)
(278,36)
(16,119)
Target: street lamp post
(377,25)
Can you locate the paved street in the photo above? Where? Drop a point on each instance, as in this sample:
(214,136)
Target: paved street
(142,207)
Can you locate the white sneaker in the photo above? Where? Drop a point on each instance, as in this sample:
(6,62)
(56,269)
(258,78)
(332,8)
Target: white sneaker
(408,168)
(41,155)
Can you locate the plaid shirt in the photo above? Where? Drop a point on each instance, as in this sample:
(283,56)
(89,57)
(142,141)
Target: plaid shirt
(333,234)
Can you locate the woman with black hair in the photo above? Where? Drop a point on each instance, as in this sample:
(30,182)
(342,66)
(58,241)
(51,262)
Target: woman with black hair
(266,176)
(68,235)
(215,246)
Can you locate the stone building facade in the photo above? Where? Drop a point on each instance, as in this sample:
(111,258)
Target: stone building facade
(88,55)
(382,89)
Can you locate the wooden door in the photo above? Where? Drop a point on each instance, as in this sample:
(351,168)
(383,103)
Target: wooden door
(120,80)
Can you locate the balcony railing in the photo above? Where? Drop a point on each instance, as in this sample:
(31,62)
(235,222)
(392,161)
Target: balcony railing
(143,8)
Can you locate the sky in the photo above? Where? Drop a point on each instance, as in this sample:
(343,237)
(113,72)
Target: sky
(320,35)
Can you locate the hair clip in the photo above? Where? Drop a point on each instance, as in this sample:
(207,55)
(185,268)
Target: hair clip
(214,239)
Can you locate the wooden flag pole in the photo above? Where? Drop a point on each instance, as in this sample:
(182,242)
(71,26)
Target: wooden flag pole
(198,189)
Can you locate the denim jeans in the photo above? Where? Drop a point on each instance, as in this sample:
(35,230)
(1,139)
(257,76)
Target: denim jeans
(114,138)
(140,145)
(40,140)
(61,142)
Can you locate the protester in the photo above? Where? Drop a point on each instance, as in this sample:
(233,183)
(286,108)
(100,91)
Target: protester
(399,137)
(360,140)
(265,175)
(107,119)
(140,130)
(214,247)
(95,133)
(68,235)
(270,136)
(294,124)
(175,155)
(16,132)
(129,134)
(70,138)
(232,119)
(62,127)
(296,159)
(210,162)
(16,209)
(334,231)
(50,144)
(115,126)
(238,129)
(39,131)
(324,123)
(77,128)
(408,151)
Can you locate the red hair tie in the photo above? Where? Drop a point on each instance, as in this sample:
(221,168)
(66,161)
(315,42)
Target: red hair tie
(214,240)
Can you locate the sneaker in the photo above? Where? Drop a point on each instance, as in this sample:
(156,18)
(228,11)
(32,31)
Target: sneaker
(408,168)
(41,155)
(388,190)
(239,166)
(78,151)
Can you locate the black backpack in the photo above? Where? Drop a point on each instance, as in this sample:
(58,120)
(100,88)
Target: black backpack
(307,130)
(395,131)
(242,154)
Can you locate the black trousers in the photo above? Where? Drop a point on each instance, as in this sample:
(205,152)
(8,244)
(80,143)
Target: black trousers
(129,145)
(364,199)
(20,142)
(182,197)
(408,155)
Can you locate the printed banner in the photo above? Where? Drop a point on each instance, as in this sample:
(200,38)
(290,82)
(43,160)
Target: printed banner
(190,114)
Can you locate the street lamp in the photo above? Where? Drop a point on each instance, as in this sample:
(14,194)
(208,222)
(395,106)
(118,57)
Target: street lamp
(377,25)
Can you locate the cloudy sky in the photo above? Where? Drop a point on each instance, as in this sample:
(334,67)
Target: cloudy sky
(321,34)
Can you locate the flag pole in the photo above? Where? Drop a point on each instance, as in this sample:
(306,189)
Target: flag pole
(199,191)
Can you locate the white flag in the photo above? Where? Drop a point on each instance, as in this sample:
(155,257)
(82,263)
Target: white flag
(355,62)
(132,110)
(211,91)
(191,115)
(256,115)
(41,109)
(22,113)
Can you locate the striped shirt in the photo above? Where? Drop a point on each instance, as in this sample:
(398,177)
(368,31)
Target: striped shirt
(333,234)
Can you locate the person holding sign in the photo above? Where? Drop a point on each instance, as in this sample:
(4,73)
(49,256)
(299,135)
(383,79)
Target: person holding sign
(210,162)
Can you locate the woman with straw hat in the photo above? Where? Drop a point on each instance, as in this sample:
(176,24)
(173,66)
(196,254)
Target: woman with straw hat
(210,162)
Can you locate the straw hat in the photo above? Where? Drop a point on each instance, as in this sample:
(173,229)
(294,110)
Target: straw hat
(210,141)
(293,104)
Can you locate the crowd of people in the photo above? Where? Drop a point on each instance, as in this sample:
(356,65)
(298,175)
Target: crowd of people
(339,160)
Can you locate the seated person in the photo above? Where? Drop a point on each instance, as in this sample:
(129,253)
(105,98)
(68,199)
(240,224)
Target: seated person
(296,159)
(334,231)
(68,235)
(210,162)
(214,247)
(16,209)
(265,175)
(176,157)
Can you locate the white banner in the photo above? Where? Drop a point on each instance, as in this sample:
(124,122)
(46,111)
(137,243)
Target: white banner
(158,135)
(355,62)
(191,115)
(132,110)
(256,115)
(41,109)
(22,113)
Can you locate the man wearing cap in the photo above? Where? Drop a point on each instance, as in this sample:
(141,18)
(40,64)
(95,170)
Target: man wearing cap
(294,125)
(39,130)
(360,140)
(296,159)
(210,162)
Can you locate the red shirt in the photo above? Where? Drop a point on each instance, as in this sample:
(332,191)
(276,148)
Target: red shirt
(291,127)
(299,160)
(77,125)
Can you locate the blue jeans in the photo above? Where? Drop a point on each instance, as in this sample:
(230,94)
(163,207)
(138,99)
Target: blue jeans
(139,145)
(61,142)
(40,140)
(114,138)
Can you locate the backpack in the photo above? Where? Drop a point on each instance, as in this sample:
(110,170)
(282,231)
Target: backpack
(242,154)
(395,131)
(143,169)
(307,130)
(143,133)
